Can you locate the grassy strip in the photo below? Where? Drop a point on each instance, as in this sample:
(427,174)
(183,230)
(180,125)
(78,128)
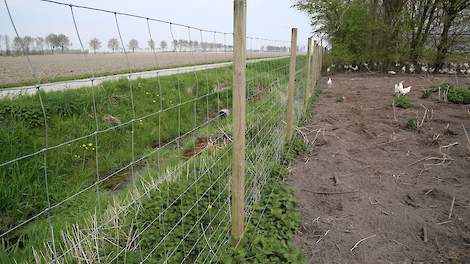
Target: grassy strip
(72,167)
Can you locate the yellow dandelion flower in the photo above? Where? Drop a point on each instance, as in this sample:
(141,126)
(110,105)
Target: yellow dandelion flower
(209,206)
(83,145)
(90,144)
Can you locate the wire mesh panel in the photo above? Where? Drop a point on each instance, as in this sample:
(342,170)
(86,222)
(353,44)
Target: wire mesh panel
(135,168)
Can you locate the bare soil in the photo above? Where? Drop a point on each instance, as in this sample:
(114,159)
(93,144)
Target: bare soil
(367,176)
(16,69)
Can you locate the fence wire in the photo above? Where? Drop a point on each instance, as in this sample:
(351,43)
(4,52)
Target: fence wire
(137,169)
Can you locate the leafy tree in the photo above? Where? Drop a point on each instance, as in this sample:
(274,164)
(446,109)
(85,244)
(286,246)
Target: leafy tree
(133,45)
(113,44)
(95,44)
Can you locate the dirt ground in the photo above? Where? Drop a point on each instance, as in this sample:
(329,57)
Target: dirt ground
(371,190)
(16,69)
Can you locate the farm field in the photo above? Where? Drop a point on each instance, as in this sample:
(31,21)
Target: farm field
(14,71)
(375,190)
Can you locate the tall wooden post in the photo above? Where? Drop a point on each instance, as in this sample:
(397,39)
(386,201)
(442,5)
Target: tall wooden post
(291,87)
(239,125)
(308,76)
(313,68)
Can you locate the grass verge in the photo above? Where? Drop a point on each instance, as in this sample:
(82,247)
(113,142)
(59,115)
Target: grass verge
(135,118)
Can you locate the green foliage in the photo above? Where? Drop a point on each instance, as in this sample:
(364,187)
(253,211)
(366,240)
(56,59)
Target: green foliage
(459,95)
(411,123)
(268,237)
(388,31)
(402,102)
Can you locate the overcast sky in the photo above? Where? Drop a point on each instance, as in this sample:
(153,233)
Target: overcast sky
(270,19)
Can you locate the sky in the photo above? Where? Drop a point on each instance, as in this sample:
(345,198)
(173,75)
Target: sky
(270,19)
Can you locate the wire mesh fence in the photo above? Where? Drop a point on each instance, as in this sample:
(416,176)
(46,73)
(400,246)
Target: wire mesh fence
(137,169)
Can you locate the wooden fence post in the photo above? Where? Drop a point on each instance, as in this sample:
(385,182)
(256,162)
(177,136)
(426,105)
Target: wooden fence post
(313,69)
(239,125)
(307,75)
(291,87)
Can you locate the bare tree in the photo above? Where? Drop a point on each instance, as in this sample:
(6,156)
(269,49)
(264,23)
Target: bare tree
(27,43)
(133,45)
(95,44)
(6,38)
(63,42)
(113,44)
(163,45)
(39,44)
(18,44)
(151,44)
(52,41)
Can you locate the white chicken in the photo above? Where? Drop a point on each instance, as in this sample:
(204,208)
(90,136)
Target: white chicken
(329,82)
(424,68)
(400,90)
(403,69)
(392,72)
(355,68)
(412,68)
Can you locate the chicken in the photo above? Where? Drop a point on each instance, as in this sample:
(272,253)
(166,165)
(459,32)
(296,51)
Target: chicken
(224,113)
(329,82)
(392,72)
(400,90)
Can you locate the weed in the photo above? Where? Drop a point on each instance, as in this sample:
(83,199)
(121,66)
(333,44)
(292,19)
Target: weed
(411,123)
(403,102)
(459,95)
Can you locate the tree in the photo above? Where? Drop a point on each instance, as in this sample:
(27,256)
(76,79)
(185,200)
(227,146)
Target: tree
(39,44)
(387,31)
(133,45)
(52,41)
(27,43)
(18,44)
(113,44)
(451,10)
(163,45)
(63,42)
(95,44)
(151,44)
(175,45)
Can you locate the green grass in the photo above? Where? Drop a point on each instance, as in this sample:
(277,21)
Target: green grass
(402,102)
(72,167)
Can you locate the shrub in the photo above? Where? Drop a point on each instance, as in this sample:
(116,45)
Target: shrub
(403,102)
(459,96)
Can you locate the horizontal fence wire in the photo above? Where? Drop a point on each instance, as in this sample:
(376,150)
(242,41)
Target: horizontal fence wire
(135,169)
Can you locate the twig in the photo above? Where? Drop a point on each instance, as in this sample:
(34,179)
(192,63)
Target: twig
(425,234)
(393,240)
(326,233)
(360,241)
(451,207)
(468,138)
(394,111)
(329,193)
(445,222)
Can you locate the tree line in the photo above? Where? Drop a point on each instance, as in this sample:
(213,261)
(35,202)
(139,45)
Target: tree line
(392,31)
(61,43)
